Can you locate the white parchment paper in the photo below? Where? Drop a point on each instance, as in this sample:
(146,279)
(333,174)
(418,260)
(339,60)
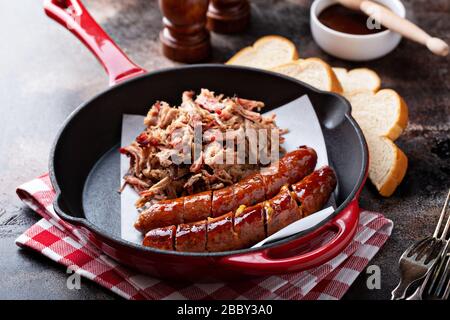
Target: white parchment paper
(304,129)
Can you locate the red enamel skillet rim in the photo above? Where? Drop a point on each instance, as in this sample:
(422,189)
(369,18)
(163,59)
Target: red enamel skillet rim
(73,15)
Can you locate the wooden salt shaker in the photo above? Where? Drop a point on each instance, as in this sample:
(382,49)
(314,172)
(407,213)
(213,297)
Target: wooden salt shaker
(184,37)
(228,16)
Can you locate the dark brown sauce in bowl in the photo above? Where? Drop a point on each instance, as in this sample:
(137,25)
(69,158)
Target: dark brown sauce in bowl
(342,19)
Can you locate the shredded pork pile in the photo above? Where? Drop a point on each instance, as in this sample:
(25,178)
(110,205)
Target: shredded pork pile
(168,161)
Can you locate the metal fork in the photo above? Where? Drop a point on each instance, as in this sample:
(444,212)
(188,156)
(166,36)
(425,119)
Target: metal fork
(436,285)
(418,260)
(439,286)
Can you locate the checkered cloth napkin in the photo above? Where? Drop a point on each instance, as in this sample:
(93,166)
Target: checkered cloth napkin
(64,244)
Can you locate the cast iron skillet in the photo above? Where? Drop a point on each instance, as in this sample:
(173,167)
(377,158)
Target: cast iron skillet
(84,162)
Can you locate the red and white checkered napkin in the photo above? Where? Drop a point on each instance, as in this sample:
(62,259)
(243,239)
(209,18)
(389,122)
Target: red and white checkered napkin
(63,243)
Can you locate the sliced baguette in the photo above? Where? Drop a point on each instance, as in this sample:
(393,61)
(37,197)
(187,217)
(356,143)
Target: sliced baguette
(313,71)
(387,164)
(360,79)
(267,52)
(383,113)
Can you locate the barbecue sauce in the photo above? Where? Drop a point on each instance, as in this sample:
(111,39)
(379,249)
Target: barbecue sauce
(342,19)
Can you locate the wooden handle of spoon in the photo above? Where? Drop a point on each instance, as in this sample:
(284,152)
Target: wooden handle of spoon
(406,28)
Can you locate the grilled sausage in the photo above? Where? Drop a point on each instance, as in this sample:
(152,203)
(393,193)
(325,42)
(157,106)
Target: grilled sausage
(221,235)
(314,190)
(293,167)
(191,237)
(281,211)
(256,188)
(164,213)
(223,201)
(161,238)
(198,207)
(249,191)
(250,225)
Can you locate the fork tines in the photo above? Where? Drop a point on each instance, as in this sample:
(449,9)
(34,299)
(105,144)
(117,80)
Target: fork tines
(441,218)
(439,287)
(436,285)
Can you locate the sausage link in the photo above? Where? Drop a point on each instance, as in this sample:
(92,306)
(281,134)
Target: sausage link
(191,237)
(160,214)
(221,235)
(223,201)
(281,211)
(215,234)
(197,207)
(289,169)
(250,190)
(249,225)
(161,238)
(313,192)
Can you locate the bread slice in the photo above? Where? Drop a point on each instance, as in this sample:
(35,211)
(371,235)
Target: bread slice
(360,79)
(383,113)
(267,52)
(387,164)
(313,71)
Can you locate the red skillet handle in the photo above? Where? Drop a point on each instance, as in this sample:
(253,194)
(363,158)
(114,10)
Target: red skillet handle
(274,260)
(74,16)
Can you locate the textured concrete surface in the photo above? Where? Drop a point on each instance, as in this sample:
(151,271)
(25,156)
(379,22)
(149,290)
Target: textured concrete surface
(46,73)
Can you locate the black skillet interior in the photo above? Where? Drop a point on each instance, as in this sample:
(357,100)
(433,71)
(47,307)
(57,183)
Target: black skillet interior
(84,165)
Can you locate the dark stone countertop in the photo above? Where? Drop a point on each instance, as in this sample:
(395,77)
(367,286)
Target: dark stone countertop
(46,73)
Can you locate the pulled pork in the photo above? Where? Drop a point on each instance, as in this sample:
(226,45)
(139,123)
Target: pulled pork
(167,161)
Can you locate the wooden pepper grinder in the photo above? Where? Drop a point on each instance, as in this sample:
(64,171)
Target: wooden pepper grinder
(184,37)
(228,16)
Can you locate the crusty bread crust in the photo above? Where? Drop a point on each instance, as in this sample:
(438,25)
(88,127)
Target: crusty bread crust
(331,83)
(336,84)
(259,43)
(402,120)
(399,165)
(396,173)
(351,79)
(401,110)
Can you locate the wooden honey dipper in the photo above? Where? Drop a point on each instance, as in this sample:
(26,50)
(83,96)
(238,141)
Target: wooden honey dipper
(395,23)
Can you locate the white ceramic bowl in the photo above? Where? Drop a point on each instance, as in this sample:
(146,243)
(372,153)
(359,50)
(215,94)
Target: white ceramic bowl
(354,47)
